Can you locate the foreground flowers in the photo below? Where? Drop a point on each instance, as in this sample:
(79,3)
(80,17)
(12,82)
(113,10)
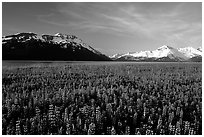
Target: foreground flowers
(103,99)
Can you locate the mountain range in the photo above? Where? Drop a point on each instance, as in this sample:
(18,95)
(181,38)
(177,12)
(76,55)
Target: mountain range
(161,54)
(31,46)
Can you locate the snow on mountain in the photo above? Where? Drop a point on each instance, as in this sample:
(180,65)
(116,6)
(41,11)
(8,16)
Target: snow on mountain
(115,56)
(56,38)
(61,38)
(190,52)
(19,37)
(167,51)
(162,52)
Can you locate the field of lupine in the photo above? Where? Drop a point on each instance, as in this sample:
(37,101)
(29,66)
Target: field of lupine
(114,99)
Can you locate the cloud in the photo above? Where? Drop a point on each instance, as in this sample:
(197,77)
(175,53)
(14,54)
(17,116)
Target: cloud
(151,20)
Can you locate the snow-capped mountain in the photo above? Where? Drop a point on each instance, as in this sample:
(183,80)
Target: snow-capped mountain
(29,45)
(163,53)
(115,56)
(57,38)
(190,52)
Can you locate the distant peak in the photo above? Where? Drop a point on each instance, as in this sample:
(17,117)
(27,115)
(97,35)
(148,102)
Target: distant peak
(58,34)
(165,47)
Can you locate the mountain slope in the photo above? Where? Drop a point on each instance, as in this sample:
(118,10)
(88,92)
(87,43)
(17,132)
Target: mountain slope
(196,59)
(164,53)
(30,46)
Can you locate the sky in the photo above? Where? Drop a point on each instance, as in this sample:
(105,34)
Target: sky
(112,27)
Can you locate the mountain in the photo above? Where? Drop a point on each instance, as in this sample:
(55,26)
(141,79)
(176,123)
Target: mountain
(190,52)
(161,54)
(31,46)
(115,56)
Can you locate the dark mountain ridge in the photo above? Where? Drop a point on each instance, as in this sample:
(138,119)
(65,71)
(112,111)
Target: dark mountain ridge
(30,46)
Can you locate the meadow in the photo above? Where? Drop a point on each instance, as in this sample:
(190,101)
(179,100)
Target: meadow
(102,98)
